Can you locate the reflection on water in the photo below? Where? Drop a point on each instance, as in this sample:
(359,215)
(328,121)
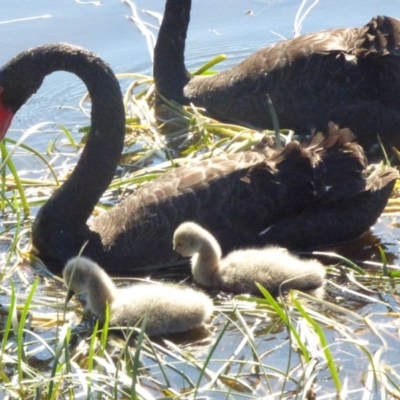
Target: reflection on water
(227,29)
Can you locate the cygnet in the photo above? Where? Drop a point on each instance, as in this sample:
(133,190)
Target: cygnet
(272,267)
(171,308)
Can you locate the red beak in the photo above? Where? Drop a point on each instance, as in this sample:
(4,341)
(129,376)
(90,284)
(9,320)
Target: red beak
(6,117)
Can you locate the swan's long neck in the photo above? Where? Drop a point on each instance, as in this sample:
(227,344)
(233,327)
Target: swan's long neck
(205,264)
(100,292)
(170,74)
(60,228)
(76,198)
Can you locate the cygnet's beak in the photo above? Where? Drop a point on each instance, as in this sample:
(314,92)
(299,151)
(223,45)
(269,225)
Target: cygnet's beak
(70,293)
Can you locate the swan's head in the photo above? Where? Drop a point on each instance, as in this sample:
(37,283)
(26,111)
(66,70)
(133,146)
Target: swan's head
(22,77)
(19,79)
(84,276)
(188,239)
(78,274)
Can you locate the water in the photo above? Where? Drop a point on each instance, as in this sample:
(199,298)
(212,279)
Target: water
(234,27)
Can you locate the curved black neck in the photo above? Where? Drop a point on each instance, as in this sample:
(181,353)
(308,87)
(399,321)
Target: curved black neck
(72,204)
(170,74)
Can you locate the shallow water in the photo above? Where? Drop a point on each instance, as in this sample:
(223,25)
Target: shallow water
(217,26)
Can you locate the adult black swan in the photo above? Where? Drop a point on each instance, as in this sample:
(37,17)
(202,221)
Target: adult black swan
(348,76)
(236,197)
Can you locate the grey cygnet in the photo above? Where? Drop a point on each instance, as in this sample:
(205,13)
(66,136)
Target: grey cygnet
(170,308)
(272,267)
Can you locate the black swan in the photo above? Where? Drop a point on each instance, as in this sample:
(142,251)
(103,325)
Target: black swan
(273,267)
(348,76)
(281,194)
(171,308)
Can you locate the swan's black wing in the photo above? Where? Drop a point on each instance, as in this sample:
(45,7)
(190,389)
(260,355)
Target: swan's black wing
(233,196)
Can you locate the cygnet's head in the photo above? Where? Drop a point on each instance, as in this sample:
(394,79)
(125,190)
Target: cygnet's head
(78,273)
(188,239)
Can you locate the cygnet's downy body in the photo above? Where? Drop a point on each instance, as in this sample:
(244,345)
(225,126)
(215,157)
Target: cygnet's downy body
(273,267)
(171,308)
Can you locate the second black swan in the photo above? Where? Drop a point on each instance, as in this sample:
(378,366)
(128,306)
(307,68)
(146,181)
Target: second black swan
(349,76)
(300,197)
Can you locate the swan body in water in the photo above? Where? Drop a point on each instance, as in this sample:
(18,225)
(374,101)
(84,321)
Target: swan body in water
(170,308)
(350,76)
(273,267)
(301,197)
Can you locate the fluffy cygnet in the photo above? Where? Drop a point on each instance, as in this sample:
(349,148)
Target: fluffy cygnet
(170,308)
(272,267)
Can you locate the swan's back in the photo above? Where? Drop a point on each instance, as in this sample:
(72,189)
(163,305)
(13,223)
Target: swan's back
(235,196)
(348,76)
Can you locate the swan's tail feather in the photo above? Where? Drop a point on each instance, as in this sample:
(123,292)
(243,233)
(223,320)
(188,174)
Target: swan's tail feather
(338,217)
(380,36)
